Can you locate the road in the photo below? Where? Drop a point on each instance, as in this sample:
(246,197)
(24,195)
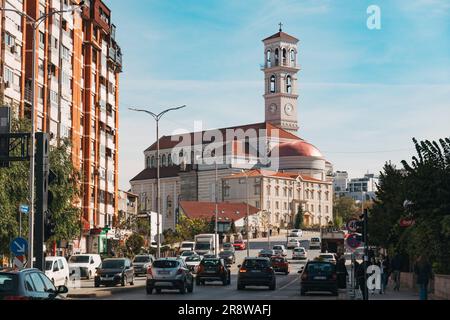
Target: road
(288,286)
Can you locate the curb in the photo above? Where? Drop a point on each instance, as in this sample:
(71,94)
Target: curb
(103,293)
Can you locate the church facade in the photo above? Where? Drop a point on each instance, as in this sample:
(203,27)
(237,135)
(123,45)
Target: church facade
(196,166)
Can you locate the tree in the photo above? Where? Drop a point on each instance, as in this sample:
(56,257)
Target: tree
(346,208)
(187,228)
(135,243)
(298,224)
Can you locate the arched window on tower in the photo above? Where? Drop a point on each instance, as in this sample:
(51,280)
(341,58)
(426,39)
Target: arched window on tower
(147,162)
(268,62)
(284,56)
(153,164)
(272,86)
(288,84)
(292,58)
(277,57)
(163,163)
(170,159)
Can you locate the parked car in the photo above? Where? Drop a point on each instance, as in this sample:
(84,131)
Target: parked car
(299,253)
(293,243)
(256,272)
(239,245)
(296,233)
(280,250)
(28,284)
(328,257)
(169,273)
(266,253)
(319,276)
(193,261)
(57,270)
(213,270)
(315,243)
(114,271)
(228,256)
(141,262)
(280,264)
(84,265)
(186,254)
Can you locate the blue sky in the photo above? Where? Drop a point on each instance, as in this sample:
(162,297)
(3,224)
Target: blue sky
(363,93)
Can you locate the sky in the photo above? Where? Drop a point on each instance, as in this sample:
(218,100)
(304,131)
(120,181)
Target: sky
(364,94)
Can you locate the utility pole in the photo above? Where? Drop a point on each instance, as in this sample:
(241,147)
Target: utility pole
(216,245)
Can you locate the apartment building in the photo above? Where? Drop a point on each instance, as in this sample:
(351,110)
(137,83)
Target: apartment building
(77,67)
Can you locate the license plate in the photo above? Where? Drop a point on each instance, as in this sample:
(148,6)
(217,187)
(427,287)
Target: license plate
(320,278)
(163,272)
(210,271)
(255,271)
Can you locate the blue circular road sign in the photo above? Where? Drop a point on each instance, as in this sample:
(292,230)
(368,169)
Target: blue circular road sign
(19,246)
(354,241)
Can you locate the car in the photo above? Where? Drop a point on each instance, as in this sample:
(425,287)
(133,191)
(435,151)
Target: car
(280,264)
(256,272)
(266,253)
(293,243)
(280,250)
(186,254)
(170,274)
(141,262)
(114,271)
(319,276)
(209,256)
(192,262)
(228,256)
(213,269)
(57,270)
(315,243)
(84,265)
(299,253)
(296,233)
(228,246)
(328,257)
(29,284)
(187,246)
(239,245)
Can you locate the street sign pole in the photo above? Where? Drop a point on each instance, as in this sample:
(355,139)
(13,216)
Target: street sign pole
(366,256)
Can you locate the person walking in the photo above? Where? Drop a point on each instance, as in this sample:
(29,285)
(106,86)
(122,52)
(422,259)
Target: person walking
(342,273)
(359,268)
(396,267)
(386,272)
(424,273)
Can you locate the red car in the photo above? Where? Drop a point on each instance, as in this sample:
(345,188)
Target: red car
(239,245)
(280,264)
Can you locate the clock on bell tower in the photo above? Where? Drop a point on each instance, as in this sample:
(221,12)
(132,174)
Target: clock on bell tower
(280,71)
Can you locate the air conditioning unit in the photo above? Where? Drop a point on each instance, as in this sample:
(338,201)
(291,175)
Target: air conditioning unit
(13,49)
(7,84)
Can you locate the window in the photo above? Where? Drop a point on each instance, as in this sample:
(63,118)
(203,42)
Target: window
(152,163)
(241,181)
(272,86)
(277,205)
(29,285)
(41,39)
(10,40)
(284,56)
(257,204)
(9,76)
(65,53)
(268,205)
(37,281)
(327,209)
(312,208)
(257,190)
(163,160)
(285,206)
(277,191)
(292,58)
(170,159)
(277,57)
(285,192)
(147,162)
(288,84)
(268,53)
(268,191)
(53,97)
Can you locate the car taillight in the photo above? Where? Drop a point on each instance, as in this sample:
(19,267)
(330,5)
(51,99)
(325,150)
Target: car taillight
(200,268)
(334,276)
(10,298)
(269,269)
(222,268)
(149,271)
(242,270)
(304,276)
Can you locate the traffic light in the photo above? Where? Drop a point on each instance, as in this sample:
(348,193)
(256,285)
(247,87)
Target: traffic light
(49,225)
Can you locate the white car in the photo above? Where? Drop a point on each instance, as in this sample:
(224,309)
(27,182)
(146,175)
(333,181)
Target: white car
(57,270)
(293,243)
(187,246)
(296,233)
(84,265)
(280,250)
(193,262)
(186,254)
(327,257)
(299,253)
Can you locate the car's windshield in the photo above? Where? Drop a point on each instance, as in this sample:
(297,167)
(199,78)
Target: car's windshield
(193,258)
(256,263)
(79,259)
(187,245)
(315,268)
(293,240)
(315,240)
(48,265)
(277,260)
(113,264)
(142,259)
(165,264)
(210,262)
(277,248)
(202,246)
(188,253)
(299,250)
(326,256)
(7,282)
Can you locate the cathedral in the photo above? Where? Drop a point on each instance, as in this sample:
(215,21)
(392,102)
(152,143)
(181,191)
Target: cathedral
(190,171)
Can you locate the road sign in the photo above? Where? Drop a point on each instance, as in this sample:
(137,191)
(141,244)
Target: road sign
(19,246)
(19,262)
(352,225)
(354,241)
(24,208)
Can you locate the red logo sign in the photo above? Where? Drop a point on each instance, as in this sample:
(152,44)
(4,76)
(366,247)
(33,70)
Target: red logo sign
(405,223)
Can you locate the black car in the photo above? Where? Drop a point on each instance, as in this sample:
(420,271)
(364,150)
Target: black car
(228,256)
(256,272)
(319,276)
(28,284)
(115,271)
(213,269)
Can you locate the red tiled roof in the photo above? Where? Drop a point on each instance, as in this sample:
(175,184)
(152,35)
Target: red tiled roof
(283,36)
(169,142)
(206,210)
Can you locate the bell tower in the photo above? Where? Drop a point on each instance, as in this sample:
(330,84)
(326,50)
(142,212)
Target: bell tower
(280,72)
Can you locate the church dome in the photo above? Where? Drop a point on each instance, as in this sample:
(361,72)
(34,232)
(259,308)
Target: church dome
(298,148)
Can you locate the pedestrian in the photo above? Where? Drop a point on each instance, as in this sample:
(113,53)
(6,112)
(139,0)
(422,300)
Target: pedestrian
(386,268)
(424,273)
(278,230)
(360,279)
(342,273)
(396,267)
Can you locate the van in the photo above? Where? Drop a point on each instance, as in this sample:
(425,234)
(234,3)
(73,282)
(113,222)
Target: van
(84,265)
(57,270)
(187,246)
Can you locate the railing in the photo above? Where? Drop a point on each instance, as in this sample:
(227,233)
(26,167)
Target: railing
(269,64)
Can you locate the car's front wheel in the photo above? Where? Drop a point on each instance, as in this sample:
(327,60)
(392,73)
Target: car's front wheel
(183,288)
(190,289)
(240,286)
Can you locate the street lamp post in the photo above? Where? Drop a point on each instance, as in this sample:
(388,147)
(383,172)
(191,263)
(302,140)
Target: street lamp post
(216,213)
(157,117)
(247,214)
(34,26)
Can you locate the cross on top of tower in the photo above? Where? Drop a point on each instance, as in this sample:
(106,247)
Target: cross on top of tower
(281,25)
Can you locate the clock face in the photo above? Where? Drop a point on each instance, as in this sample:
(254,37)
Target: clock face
(273,108)
(289,109)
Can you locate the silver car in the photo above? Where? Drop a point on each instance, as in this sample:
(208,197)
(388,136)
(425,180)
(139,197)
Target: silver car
(141,262)
(171,274)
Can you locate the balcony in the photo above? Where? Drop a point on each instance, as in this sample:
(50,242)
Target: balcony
(288,64)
